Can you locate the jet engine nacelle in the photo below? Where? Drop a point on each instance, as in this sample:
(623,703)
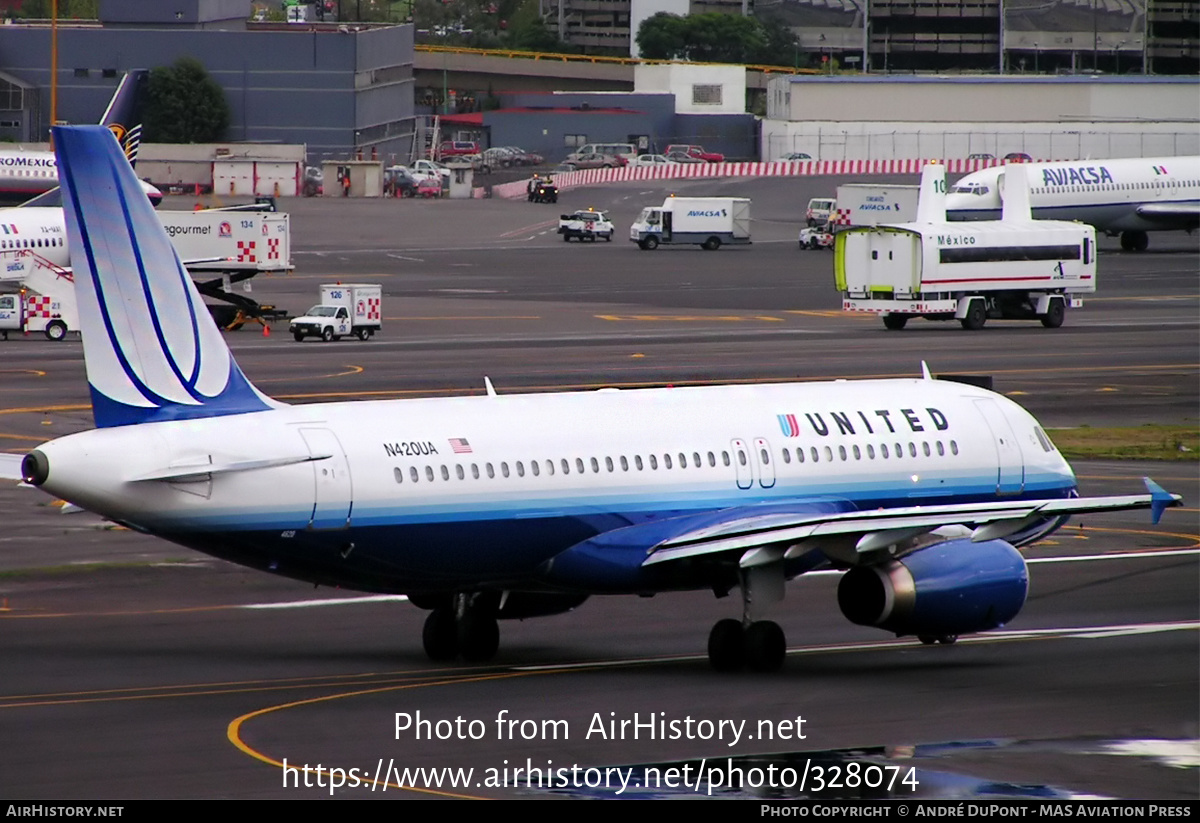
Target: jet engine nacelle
(948,588)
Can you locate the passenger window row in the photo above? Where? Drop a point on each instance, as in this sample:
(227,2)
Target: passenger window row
(816,453)
(578,465)
(682,460)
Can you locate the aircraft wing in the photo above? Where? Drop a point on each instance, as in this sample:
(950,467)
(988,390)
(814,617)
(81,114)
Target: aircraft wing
(1169,211)
(778,535)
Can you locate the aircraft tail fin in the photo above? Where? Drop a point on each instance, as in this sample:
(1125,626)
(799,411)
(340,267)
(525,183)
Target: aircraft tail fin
(1016,202)
(931,199)
(152,351)
(123,117)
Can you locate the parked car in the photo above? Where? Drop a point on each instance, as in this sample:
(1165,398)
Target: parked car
(429,187)
(456,148)
(1017,157)
(697,152)
(314,182)
(797,155)
(593,160)
(651,161)
(981,155)
(399,182)
(683,157)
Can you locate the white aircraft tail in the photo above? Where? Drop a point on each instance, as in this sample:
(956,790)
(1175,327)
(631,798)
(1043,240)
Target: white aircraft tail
(931,200)
(1014,187)
(151,348)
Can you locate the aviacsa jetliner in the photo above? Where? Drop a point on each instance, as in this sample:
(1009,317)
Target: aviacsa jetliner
(1127,197)
(512,506)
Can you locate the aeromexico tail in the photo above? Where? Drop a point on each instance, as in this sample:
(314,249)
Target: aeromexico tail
(27,174)
(497,506)
(1129,197)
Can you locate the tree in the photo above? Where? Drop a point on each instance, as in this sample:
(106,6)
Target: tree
(716,38)
(663,36)
(184,105)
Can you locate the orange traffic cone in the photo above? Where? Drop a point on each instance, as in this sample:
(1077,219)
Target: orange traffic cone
(266,330)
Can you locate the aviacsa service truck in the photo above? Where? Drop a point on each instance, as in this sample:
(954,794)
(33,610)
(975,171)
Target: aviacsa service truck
(704,221)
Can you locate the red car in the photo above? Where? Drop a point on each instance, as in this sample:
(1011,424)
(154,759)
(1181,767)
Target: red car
(697,152)
(457,148)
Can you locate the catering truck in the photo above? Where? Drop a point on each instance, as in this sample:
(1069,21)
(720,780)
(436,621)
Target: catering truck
(704,221)
(345,308)
(1013,268)
(44,299)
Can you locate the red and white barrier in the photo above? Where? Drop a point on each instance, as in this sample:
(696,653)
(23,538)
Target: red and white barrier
(779,168)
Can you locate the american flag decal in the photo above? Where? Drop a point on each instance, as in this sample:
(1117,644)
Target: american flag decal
(459,445)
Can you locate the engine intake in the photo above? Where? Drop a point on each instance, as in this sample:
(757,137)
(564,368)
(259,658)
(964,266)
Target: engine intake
(949,588)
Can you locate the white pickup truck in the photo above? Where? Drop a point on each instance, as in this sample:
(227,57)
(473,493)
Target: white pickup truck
(586,224)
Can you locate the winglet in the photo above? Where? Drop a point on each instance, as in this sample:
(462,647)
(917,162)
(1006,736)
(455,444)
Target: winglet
(1160,499)
(487,384)
(151,348)
(925,375)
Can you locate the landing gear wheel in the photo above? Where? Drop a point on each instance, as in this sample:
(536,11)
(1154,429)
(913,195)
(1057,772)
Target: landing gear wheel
(976,316)
(895,322)
(478,637)
(711,244)
(56,330)
(927,639)
(650,243)
(765,646)
(1056,312)
(327,334)
(440,635)
(948,639)
(364,334)
(726,644)
(297,336)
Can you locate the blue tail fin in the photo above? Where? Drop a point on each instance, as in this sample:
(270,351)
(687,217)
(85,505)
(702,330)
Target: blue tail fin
(123,117)
(152,351)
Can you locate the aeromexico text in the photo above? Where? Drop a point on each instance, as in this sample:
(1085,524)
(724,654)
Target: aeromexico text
(928,419)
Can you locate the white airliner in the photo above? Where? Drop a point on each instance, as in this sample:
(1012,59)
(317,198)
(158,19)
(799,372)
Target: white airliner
(512,506)
(1128,197)
(25,174)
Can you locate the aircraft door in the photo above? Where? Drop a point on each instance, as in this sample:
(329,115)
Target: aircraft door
(1010,465)
(741,463)
(333,493)
(762,458)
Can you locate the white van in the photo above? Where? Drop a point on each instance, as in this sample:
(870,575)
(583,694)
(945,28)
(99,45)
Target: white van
(820,209)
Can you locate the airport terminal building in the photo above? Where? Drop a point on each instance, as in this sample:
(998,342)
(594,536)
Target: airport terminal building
(337,91)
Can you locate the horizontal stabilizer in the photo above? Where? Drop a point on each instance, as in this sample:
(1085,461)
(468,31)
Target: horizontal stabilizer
(10,466)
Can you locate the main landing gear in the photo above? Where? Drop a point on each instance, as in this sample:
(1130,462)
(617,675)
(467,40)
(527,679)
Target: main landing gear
(467,628)
(759,645)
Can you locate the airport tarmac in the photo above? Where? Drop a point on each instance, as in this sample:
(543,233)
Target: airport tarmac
(137,669)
